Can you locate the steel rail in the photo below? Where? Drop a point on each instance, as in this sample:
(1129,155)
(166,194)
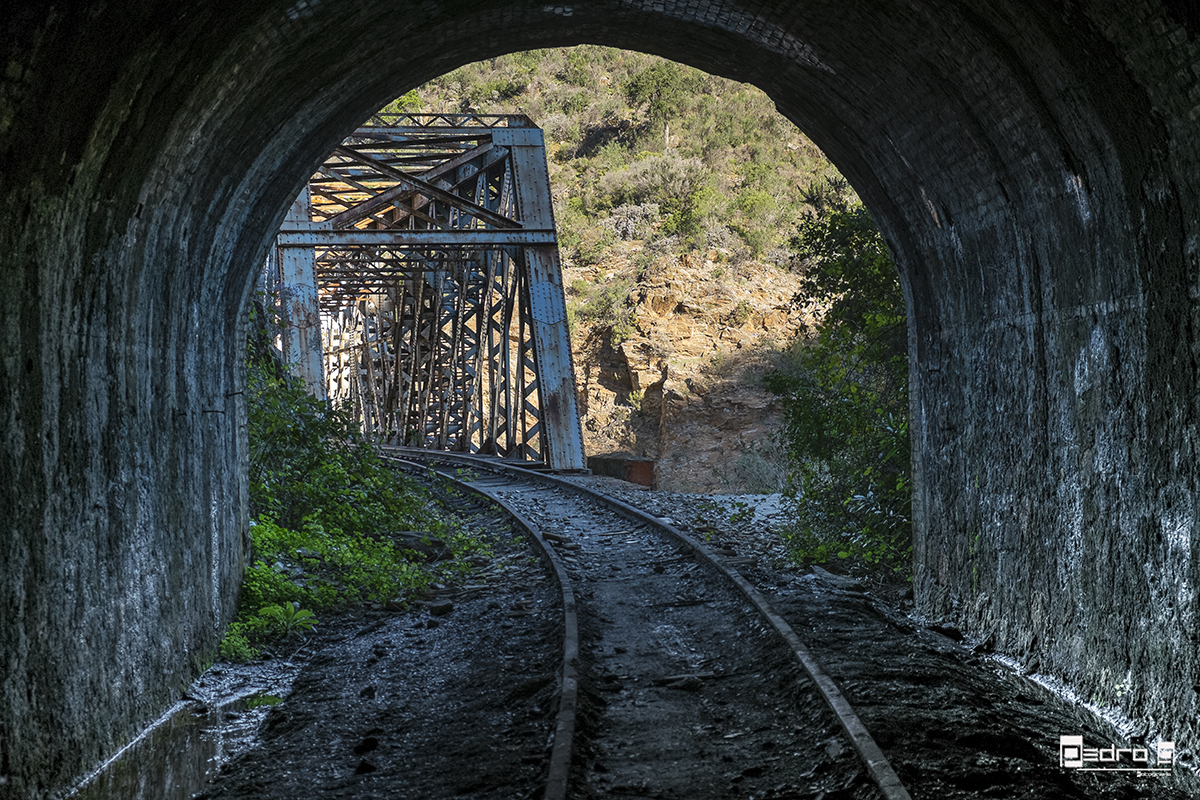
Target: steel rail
(557,779)
(879,768)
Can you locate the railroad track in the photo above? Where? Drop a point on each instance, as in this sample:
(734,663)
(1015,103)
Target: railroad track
(671,659)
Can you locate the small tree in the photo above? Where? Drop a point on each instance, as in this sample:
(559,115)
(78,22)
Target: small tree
(846,395)
(665,88)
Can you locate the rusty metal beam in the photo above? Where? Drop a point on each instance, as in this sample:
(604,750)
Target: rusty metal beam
(387,197)
(441,290)
(301,311)
(470,237)
(555,368)
(417,185)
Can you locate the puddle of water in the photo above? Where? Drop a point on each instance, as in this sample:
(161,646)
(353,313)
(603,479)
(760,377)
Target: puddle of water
(172,760)
(176,756)
(179,754)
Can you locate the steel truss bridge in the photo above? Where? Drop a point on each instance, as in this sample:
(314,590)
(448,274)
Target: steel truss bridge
(419,281)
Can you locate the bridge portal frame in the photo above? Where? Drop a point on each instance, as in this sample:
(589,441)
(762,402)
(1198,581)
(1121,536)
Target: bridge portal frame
(430,240)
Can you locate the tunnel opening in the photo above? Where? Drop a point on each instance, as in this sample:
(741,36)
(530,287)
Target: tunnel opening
(698,226)
(707,193)
(1031,169)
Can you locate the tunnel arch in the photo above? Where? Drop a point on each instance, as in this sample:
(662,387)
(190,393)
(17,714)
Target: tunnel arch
(1033,168)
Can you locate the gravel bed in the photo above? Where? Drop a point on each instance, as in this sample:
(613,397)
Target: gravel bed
(746,524)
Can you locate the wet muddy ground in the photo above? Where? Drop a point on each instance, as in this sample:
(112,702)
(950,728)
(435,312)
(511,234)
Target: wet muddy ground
(954,720)
(454,697)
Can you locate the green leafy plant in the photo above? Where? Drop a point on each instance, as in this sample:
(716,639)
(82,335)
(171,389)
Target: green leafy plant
(664,88)
(741,512)
(324,510)
(578,70)
(741,313)
(262,699)
(235,646)
(408,103)
(289,619)
(846,396)
(608,304)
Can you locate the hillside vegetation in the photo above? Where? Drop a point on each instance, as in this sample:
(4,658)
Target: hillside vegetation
(643,148)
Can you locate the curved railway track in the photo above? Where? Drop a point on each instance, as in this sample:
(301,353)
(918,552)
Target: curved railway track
(671,638)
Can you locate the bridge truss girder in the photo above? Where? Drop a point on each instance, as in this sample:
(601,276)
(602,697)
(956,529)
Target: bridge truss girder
(432,244)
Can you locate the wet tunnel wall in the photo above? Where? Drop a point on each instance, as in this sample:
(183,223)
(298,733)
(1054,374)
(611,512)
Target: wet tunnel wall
(1035,168)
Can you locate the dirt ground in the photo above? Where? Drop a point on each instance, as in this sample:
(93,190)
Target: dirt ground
(455,697)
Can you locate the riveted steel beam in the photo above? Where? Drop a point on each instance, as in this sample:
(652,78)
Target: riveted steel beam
(555,368)
(416,238)
(432,242)
(301,312)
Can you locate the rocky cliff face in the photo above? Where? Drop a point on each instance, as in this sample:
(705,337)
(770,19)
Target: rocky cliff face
(683,386)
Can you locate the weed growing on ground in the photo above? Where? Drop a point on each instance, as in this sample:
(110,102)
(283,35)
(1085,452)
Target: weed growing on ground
(326,517)
(741,512)
(288,619)
(262,699)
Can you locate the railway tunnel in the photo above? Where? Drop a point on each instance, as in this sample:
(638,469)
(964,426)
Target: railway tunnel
(1033,167)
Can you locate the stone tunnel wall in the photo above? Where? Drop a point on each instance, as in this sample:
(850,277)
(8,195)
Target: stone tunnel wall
(1033,165)
(1055,366)
(122,487)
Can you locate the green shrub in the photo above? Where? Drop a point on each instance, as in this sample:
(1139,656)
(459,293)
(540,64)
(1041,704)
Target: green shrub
(741,313)
(560,128)
(758,239)
(324,507)
(664,87)
(846,400)
(571,221)
(608,304)
(408,103)
(633,222)
(754,203)
(665,179)
(593,244)
(529,60)
(577,103)
(287,619)
(235,646)
(507,89)
(578,70)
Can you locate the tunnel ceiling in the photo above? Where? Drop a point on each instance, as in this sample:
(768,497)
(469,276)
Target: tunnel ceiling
(1032,165)
(932,109)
